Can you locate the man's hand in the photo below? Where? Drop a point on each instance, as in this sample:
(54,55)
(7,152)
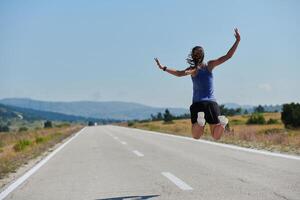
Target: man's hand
(213,63)
(158,63)
(237,35)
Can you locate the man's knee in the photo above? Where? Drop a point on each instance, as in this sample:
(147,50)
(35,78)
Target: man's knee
(217,137)
(218,132)
(197,131)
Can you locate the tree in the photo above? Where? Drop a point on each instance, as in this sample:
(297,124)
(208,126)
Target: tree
(167,116)
(159,116)
(259,109)
(238,111)
(290,115)
(90,123)
(183,116)
(48,124)
(229,111)
(153,117)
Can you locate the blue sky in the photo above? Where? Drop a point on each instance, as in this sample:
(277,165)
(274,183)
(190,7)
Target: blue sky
(103,50)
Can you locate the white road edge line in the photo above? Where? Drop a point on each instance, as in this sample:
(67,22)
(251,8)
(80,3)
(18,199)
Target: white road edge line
(222,145)
(20,180)
(138,153)
(182,185)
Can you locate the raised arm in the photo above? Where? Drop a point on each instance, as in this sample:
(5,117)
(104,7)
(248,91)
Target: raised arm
(213,63)
(178,73)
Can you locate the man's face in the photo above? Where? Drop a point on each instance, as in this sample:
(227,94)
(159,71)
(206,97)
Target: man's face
(197,53)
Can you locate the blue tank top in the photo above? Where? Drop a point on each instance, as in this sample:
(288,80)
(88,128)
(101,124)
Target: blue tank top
(203,85)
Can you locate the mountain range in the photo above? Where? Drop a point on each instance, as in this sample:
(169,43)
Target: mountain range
(113,110)
(100,110)
(10,112)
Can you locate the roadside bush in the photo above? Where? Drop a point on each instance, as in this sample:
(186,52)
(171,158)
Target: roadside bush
(62,125)
(48,124)
(55,135)
(90,123)
(256,118)
(236,122)
(130,123)
(23,128)
(21,145)
(272,121)
(290,115)
(145,120)
(40,139)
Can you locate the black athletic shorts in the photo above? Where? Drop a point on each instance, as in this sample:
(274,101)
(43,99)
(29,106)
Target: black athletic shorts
(210,108)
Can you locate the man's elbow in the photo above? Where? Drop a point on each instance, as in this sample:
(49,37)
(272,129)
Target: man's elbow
(228,56)
(180,74)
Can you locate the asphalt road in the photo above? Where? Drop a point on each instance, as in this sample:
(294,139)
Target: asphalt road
(109,162)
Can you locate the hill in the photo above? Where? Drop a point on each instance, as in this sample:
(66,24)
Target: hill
(100,110)
(8,113)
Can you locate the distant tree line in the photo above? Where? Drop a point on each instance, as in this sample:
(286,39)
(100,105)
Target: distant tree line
(168,117)
(258,109)
(290,115)
(230,111)
(258,118)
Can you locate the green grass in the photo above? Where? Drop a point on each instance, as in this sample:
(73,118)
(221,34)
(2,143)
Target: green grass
(22,144)
(23,128)
(41,139)
(236,122)
(60,125)
(18,125)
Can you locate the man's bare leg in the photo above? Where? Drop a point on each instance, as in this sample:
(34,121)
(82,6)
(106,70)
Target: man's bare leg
(197,130)
(217,131)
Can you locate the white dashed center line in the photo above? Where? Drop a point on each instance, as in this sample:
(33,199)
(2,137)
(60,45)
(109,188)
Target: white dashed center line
(122,142)
(182,185)
(138,153)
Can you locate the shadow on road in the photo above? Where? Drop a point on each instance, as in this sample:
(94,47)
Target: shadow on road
(131,197)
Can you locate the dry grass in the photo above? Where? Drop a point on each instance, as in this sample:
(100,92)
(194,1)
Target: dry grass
(272,137)
(17,148)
